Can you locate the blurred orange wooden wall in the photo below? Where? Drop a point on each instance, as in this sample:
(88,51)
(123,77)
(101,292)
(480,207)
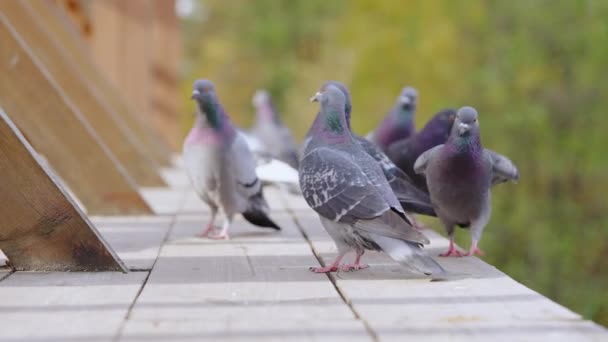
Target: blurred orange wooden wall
(136,44)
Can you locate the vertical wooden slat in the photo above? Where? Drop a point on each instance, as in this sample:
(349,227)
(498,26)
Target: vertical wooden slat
(63,69)
(58,23)
(59,131)
(134,44)
(42,229)
(164,70)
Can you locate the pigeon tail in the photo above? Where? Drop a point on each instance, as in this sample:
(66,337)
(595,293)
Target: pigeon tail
(256,214)
(409,254)
(259,218)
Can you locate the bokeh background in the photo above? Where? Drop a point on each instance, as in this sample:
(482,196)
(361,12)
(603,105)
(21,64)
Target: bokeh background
(535,70)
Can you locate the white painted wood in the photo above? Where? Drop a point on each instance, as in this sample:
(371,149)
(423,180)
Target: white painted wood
(65,306)
(136,239)
(255,286)
(481,304)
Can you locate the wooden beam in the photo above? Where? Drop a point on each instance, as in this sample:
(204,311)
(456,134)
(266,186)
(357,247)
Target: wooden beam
(126,51)
(58,23)
(59,131)
(42,229)
(165,63)
(62,68)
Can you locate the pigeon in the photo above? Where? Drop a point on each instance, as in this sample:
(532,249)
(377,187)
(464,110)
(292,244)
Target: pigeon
(221,167)
(460,174)
(348,190)
(411,198)
(399,122)
(274,135)
(405,152)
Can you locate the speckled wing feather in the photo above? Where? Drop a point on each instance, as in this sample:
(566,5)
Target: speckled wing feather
(410,197)
(503,169)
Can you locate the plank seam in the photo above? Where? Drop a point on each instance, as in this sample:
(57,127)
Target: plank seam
(121,329)
(372,334)
(2,277)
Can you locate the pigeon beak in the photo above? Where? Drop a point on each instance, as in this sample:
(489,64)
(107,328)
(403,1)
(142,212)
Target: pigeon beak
(316,97)
(463,128)
(195,94)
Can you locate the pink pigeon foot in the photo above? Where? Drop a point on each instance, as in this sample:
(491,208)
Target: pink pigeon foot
(221,236)
(329,268)
(474,250)
(452,251)
(326,269)
(208,230)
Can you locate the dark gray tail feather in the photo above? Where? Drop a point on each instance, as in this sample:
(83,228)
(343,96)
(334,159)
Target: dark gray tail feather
(410,255)
(260,219)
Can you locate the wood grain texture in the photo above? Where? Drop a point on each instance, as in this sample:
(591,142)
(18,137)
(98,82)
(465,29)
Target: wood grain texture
(60,132)
(123,47)
(61,67)
(42,230)
(58,24)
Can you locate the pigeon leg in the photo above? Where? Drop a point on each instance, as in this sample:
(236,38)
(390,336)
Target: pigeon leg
(474,250)
(330,268)
(452,251)
(357,265)
(223,235)
(210,226)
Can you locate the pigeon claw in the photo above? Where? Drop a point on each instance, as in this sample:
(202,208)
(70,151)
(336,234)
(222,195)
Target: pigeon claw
(223,236)
(452,252)
(475,251)
(353,267)
(207,231)
(326,269)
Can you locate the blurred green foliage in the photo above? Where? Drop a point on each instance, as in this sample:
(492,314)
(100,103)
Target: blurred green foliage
(535,70)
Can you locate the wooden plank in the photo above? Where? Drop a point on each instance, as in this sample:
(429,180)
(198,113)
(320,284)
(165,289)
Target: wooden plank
(57,22)
(41,227)
(166,46)
(58,130)
(480,304)
(127,52)
(37,306)
(61,67)
(239,288)
(136,239)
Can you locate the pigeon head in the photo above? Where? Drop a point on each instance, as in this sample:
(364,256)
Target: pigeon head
(203,93)
(408,98)
(262,101)
(466,122)
(333,103)
(348,104)
(261,98)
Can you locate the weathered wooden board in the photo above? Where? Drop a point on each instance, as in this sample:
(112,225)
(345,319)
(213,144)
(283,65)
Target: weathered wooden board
(41,227)
(58,23)
(61,65)
(125,52)
(165,59)
(55,127)
(256,286)
(81,306)
(480,304)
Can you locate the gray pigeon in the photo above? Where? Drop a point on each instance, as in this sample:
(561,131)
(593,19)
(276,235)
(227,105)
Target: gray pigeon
(459,176)
(349,191)
(411,198)
(399,122)
(274,135)
(221,166)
